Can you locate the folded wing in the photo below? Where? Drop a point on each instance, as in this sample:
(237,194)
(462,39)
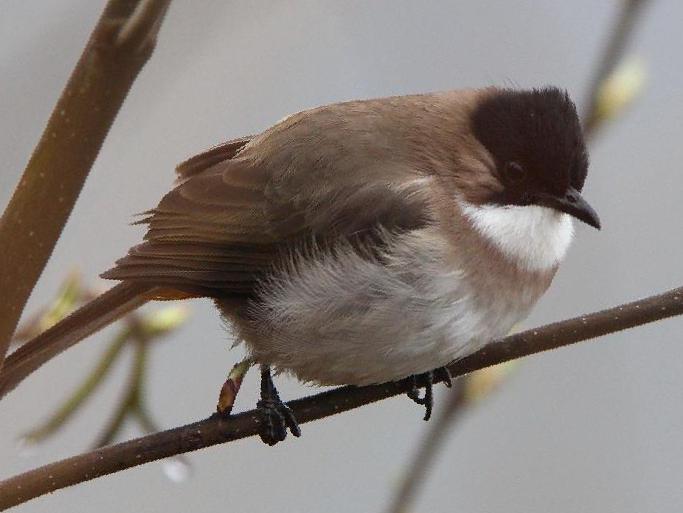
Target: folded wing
(232,219)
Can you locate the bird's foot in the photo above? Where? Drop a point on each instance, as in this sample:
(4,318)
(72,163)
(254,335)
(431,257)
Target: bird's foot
(427,400)
(276,416)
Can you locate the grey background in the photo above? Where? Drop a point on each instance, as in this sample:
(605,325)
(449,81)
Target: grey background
(596,427)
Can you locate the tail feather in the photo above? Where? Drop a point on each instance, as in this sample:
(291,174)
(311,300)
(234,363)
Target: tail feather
(97,314)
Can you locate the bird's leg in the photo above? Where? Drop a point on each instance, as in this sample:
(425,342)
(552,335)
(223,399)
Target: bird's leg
(440,374)
(275,415)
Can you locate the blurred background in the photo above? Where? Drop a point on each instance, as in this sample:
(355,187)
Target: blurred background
(594,427)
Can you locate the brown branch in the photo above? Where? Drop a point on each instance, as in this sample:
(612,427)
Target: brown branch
(217,430)
(617,42)
(119,46)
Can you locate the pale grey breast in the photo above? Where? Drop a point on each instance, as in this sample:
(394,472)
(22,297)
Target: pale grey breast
(344,318)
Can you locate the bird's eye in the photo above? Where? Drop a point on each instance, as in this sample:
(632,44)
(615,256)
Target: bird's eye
(514,172)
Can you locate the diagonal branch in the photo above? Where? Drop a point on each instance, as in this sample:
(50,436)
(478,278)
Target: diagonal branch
(416,472)
(216,430)
(617,42)
(119,46)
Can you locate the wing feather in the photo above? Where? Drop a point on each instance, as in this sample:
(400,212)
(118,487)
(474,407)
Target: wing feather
(208,158)
(237,213)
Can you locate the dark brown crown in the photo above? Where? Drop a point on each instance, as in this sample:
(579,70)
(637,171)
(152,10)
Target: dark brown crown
(537,130)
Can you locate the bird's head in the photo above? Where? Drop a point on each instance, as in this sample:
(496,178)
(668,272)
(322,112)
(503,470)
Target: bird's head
(536,144)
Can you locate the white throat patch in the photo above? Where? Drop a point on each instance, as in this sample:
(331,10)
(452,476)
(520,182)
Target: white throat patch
(536,238)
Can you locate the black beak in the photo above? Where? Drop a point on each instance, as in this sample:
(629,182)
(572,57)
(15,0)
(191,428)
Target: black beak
(571,203)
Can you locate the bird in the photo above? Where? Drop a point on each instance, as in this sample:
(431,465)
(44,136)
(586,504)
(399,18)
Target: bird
(361,242)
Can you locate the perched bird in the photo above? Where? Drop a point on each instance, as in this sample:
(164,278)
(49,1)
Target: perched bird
(361,242)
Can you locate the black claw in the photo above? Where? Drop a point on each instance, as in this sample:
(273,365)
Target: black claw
(276,416)
(440,374)
(291,422)
(413,392)
(429,398)
(444,374)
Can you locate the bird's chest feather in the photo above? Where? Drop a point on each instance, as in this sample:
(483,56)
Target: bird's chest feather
(531,237)
(341,317)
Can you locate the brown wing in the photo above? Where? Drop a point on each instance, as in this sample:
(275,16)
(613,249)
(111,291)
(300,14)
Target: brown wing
(208,236)
(204,160)
(228,223)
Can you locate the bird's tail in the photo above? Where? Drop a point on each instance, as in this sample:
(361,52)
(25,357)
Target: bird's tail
(95,315)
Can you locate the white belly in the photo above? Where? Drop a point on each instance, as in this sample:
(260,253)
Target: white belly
(340,318)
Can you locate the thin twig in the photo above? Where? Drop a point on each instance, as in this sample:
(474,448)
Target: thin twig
(217,429)
(83,392)
(468,392)
(130,402)
(54,176)
(416,471)
(115,423)
(617,42)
